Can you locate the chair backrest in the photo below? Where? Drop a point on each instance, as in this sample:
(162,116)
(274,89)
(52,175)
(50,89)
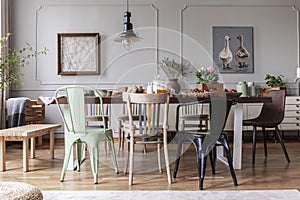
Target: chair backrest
(274,112)
(193,117)
(74,114)
(219,109)
(193,109)
(153,111)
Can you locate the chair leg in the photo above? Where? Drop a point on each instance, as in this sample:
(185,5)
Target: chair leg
(158,156)
(145,146)
(120,136)
(166,152)
(212,160)
(105,145)
(66,161)
(94,156)
(179,150)
(79,154)
(223,140)
(109,137)
(127,159)
(123,140)
(201,160)
(253,145)
(282,144)
(131,157)
(265,141)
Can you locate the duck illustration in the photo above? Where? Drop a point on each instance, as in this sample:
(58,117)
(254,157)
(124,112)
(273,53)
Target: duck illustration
(241,55)
(225,55)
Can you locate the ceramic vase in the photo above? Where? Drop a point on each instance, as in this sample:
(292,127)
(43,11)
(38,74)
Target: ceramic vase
(173,84)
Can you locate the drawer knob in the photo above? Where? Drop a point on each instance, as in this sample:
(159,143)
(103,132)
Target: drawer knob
(297,112)
(297,106)
(297,99)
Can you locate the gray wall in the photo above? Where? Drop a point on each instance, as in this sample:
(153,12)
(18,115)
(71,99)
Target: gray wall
(159,23)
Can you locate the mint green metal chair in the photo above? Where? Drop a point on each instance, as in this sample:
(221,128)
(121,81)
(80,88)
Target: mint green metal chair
(76,129)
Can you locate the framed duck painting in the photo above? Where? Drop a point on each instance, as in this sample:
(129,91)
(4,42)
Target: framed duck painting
(233,49)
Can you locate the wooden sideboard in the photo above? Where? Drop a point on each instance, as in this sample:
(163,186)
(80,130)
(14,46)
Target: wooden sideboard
(291,119)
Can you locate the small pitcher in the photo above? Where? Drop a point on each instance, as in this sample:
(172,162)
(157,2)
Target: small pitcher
(242,87)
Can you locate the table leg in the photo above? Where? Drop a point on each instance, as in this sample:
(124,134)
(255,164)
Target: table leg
(32,149)
(51,132)
(25,154)
(2,154)
(238,132)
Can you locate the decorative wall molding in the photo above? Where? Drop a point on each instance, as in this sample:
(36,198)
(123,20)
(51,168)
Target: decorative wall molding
(40,9)
(298,42)
(186,7)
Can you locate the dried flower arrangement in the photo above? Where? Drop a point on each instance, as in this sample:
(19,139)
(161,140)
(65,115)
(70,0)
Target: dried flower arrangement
(174,70)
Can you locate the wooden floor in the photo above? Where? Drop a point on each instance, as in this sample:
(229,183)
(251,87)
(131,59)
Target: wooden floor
(270,173)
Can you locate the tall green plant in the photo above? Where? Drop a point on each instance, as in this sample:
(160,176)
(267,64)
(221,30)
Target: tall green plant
(12,60)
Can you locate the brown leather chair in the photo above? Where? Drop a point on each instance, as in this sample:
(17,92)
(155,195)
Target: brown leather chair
(270,116)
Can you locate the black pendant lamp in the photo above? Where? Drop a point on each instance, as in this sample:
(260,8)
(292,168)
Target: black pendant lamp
(127,36)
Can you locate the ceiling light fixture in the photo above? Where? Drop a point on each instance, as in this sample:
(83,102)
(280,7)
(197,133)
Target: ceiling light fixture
(127,36)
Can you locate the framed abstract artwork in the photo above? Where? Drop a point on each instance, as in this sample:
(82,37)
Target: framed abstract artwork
(233,49)
(78,53)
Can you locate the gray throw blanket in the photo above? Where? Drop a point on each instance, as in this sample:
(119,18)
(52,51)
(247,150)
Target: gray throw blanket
(16,111)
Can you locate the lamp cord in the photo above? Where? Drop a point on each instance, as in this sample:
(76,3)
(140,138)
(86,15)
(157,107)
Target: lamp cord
(127,6)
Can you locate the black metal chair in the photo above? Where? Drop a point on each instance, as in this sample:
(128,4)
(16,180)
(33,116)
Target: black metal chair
(205,141)
(270,116)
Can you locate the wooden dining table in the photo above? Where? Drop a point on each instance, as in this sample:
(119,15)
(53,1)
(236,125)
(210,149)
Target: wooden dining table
(177,99)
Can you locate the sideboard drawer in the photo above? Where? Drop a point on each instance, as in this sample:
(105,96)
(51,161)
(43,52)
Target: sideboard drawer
(289,126)
(292,113)
(291,120)
(292,100)
(292,107)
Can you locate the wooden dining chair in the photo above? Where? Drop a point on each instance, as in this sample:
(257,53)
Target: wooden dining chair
(151,128)
(205,141)
(193,117)
(123,119)
(271,116)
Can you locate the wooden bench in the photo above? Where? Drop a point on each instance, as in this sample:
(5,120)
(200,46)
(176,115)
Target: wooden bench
(34,114)
(23,133)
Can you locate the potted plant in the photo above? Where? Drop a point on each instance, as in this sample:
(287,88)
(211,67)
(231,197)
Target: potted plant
(11,61)
(175,71)
(273,83)
(208,79)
